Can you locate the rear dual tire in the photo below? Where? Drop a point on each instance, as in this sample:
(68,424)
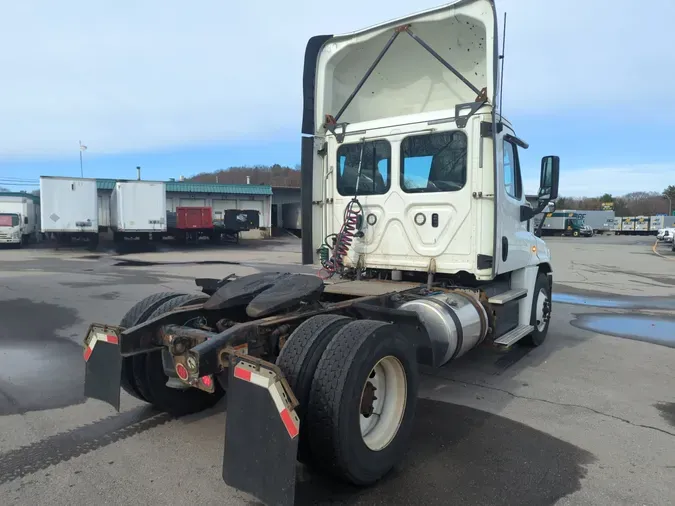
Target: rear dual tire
(335,391)
(143,375)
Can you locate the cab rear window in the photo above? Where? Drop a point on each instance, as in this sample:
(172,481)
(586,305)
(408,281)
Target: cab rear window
(366,165)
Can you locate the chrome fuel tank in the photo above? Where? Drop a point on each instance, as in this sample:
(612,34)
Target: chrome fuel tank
(456,322)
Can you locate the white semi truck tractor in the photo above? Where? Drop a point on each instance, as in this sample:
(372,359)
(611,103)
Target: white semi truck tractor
(415,214)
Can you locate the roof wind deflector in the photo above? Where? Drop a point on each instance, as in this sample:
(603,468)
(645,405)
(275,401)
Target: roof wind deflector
(331,124)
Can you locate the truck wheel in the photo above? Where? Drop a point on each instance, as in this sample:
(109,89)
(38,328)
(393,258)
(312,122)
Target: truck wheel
(362,402)
(135,316)
(298,360)
(541,311)
(575,233)
(151,379)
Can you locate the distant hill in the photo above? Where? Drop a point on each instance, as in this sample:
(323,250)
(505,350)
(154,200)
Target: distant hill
(275,175)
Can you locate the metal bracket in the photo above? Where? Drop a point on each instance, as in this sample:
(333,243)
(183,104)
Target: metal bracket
(473,107)
(323,150)
(486,128)
(332,126)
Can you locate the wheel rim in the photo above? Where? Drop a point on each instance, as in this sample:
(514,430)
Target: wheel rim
(383,401)
(542,307)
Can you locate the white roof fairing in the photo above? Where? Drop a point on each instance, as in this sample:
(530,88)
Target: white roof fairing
(409,79)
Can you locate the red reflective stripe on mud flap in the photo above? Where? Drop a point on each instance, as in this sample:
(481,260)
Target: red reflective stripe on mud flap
(241,373)
(289,423)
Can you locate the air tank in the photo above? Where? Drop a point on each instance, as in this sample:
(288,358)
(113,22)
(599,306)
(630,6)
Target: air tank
(456,322)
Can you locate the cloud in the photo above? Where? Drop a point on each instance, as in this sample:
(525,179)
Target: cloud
(132,76)
(594,182)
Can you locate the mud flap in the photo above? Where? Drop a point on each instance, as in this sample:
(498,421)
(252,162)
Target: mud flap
(103,359)
(261,434)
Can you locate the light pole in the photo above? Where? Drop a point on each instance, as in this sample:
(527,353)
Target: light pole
(82,148)
(670,204)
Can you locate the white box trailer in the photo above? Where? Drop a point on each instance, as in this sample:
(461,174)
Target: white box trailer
(19,218)
(69,208)
(599,221)
(660,222)
(642,225)
(137,209)
(615,225)
(627,225)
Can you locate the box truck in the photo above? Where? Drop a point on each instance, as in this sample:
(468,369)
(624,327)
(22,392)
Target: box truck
(19,218)
(564,222)
(138,210)
(69,208)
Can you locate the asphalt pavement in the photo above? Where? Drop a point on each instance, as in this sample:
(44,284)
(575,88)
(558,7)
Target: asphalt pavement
(587,418)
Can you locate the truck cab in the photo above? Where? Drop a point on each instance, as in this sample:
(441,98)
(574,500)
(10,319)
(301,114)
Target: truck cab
(11,228)
(418,156)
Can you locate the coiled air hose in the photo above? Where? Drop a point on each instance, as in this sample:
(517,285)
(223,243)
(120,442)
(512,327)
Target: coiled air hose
(343,239)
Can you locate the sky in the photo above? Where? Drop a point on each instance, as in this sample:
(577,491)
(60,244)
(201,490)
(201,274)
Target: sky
(180,88)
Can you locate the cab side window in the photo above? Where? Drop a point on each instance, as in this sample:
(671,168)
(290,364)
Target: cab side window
(512,180)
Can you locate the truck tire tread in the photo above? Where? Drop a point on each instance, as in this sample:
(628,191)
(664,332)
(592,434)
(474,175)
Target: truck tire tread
(136,315)
(537,337)
(299,358)
(354,349)
(139,362)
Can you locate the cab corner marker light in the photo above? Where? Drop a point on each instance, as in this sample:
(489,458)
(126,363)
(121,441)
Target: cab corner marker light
(534,249)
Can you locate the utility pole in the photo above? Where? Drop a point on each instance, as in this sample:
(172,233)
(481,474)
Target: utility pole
(670,204)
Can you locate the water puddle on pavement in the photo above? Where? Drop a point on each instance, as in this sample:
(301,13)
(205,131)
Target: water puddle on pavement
(615,301)
(651,329)
(581,300)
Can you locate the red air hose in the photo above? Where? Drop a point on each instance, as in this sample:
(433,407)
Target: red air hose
(343,240)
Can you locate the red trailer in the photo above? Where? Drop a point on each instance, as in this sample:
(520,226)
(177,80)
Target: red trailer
(188,224)
(191,218)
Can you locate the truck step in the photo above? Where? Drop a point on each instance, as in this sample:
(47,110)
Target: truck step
(514,335)
(508,296)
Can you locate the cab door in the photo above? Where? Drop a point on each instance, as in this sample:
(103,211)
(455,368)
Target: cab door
(513,238)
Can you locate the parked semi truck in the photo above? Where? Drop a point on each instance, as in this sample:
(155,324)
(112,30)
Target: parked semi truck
(19,218)
(413,270)
(69,209)
(564,222)
(138,210)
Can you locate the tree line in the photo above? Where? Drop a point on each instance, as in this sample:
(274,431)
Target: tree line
(274,175)
(631,204)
